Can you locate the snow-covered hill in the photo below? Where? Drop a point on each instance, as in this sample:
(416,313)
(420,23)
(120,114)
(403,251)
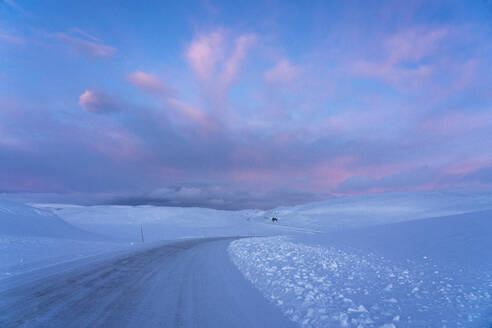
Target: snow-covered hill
(34,237)
(158,223)
(352,212)
(22,220)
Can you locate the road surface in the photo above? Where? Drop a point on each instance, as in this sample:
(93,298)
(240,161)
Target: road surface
(189,283)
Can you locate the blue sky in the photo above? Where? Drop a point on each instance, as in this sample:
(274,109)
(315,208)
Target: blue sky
(244,104)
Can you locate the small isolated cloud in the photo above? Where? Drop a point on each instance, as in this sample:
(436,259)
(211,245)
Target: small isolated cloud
(98,102)
(282,72)
(85,43)
(149,83)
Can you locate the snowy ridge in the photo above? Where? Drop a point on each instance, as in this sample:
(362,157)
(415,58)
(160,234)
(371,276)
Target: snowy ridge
(327,287)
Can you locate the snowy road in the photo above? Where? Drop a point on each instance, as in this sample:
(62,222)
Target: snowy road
(189,283)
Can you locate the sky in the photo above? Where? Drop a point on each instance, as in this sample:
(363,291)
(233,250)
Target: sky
(236,104)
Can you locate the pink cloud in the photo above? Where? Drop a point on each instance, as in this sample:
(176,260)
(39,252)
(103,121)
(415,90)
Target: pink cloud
(410,46)
(97,102)
(214,56)
(181,111)
(149,83)
(239,53)
(91,48)
(187,113)
(118,144)
(216,60)
(413,44)
(468,166)
(327,174)
(204,52)
(282,72)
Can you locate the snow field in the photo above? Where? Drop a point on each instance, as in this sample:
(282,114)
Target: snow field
(328,287)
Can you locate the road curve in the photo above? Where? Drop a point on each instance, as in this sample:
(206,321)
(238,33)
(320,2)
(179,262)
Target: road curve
(189,283)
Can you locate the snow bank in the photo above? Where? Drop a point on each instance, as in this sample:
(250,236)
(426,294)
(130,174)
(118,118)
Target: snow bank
(324,287)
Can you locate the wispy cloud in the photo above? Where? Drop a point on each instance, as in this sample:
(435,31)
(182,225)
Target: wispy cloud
(215,56)
(233,63)
(403,56)
(76,30)
(216,59)
(178,110)
(11,38)
(204,53)
(283,72)
(14,5)
(150,83)
(118,143)
(88,46)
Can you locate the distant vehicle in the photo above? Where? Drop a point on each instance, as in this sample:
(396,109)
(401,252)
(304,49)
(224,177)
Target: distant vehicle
(274,219)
